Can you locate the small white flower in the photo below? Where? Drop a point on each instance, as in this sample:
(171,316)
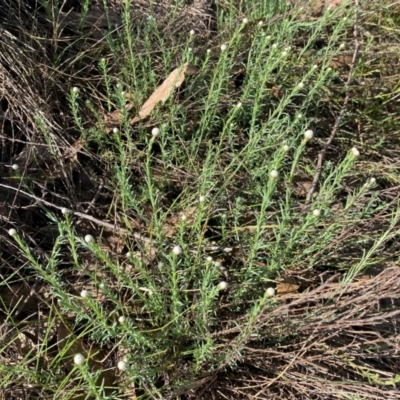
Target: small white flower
(224,47)
(355,152)
(103,60)
(192,32)
(75,89)
(79,359)
(223,285)
(208,51)
(260,23)
(202,199)
(315,66)
(268,37)
(209,259)
(285,148)
(301,85)
(344,18)
(102,286)
(270,292)
(183,217)
(122,365)
(372,181)
(274,46)
(64,210)
(150,18)
(12,232)
(115,130)
(274,174)
(189,49)
(89,239)
(308,134)
(177,250)
(342,46)
(85,294)
(316,212)
(245,21)
(125,358)
(15,167)
(121,319)
(128,254)
(299,116)
(239,105)
(329,69)
(155,132)
(284,53)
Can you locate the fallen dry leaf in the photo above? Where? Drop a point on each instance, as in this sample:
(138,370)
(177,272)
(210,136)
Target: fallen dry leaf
(286,285)
(162,93)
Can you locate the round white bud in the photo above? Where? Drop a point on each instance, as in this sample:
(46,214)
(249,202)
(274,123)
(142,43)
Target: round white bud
(12,232)
(202,199)
(274,46)
(155,132)
(192,32)
(355,152)
(85,294)
(79,359)
(122,365)
(89,239)
(183,217)
(224,47)
(270,292)
(308,134)
(245,21)
(260,23)
(316,212)
(15,167)
(274,174)
(64,210)
(285,148)
(115,130)
(301,85)
(75,89)
(284,53)
(209,259)
(223,285)
(177,250)
(121,319)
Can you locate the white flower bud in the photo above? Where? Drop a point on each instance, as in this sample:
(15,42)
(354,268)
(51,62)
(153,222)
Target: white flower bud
(85,294)
(15,167)
(270,292)
(89,239)
(155,132)
(285,148)
(202,199)
(223,285)
(274,174)
(316,212)
(115,130)
(75,89)
(209,259)
(355,152)
(64,210)
(122,365)
(301,85)
(79,359)
(245,21)
(177,250)
(308,134)
(192,32)
(121,319)
(224,47)
(12,232)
